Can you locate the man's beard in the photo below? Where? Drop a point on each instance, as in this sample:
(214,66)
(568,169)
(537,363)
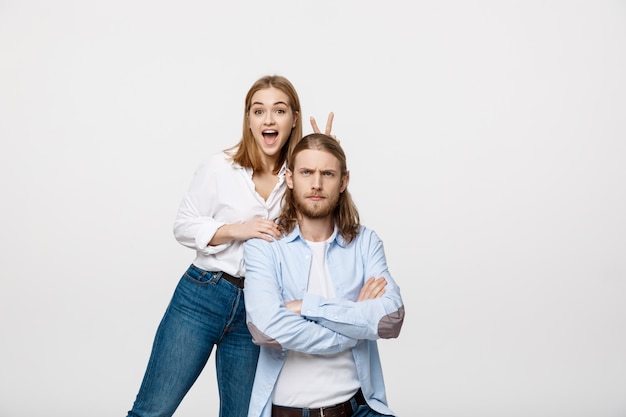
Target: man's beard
(317,209)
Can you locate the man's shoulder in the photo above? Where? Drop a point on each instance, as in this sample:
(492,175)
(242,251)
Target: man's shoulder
(366,235)
(257,242)
(281,244)
(365,231)
(254,241)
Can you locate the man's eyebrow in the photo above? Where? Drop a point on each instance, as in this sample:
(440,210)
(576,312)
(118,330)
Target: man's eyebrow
(331,170)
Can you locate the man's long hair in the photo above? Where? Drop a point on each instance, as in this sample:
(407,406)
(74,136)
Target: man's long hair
(246,151)
(345,213)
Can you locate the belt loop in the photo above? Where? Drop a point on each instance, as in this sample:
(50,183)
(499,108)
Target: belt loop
(214,276)
(354,404)
(217,276)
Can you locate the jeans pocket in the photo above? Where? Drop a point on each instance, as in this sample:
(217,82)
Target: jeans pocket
(198,276)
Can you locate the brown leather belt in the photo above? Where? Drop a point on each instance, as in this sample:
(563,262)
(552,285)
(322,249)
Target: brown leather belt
(339,410)
(238,282)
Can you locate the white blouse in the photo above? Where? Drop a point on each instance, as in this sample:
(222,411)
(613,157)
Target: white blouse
(222,192)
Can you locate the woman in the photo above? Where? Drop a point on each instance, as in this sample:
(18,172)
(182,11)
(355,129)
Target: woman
(234,196)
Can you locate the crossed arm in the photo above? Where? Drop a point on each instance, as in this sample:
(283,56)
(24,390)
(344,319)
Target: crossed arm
(373,288)
(281,315)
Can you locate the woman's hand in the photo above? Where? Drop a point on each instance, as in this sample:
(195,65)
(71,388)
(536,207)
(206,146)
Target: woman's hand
(329,125)
(258,227)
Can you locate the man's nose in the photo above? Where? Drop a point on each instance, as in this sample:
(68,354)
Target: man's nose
(317,181)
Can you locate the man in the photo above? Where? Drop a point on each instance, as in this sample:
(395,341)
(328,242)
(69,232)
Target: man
(318,298)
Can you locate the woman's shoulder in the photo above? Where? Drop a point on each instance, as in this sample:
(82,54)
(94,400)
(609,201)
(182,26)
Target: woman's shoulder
(218,160)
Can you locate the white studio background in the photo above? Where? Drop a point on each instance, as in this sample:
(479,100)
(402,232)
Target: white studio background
(487,145)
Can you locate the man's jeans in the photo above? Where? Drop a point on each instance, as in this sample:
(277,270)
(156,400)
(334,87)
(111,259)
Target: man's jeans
(366,411)
(205,311)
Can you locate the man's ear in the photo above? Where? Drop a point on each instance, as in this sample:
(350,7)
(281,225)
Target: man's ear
(289,178)
(344,182)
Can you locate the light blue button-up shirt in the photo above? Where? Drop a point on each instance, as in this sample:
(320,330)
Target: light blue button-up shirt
(278,271)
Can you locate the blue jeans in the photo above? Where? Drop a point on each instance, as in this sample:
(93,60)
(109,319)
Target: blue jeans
(205,311)
(366,411)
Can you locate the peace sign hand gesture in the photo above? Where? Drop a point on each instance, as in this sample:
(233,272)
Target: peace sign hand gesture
(329,125)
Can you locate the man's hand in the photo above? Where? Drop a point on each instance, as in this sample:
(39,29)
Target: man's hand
(294,305)
(373,288)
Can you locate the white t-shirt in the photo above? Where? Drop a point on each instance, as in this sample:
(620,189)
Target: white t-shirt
(313,381)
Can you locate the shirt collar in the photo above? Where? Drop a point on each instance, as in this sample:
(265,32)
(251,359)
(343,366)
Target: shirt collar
(281,172)
(296,234)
